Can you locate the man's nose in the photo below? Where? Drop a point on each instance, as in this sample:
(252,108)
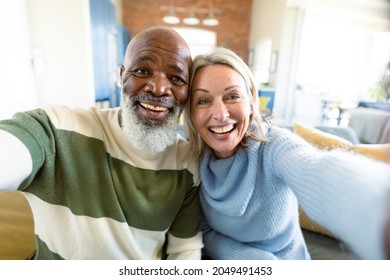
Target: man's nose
(220,111)
(159,85)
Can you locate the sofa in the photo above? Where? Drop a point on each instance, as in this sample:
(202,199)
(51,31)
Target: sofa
(372,126)
(16,222)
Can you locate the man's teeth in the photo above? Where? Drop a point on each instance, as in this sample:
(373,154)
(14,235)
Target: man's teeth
(154,108)
(221,130)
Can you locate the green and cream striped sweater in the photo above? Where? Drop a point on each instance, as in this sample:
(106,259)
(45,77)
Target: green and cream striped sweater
(93,197)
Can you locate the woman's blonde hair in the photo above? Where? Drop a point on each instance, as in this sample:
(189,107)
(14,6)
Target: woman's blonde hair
(223,56)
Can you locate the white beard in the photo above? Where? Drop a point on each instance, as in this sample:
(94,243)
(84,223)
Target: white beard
(149,137)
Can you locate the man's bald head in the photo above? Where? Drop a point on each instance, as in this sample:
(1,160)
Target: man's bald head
(161,37)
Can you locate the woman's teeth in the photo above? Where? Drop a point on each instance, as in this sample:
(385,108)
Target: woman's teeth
(222,130)
(154,108)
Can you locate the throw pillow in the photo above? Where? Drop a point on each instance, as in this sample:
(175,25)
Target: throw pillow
(324,140)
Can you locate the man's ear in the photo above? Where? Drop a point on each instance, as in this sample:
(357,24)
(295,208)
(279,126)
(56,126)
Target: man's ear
(121,71)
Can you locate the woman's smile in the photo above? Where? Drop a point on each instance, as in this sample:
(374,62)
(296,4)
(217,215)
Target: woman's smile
(222,130)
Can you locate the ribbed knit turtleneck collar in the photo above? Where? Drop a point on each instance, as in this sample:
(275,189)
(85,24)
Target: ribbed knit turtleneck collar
(228,184)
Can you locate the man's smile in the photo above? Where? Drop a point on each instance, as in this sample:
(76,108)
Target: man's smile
(153,107)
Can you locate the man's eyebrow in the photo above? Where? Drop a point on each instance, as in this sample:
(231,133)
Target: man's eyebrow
(143,58)
(174,67)
(181,70)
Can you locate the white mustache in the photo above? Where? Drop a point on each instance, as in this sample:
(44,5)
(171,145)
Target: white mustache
(168,102)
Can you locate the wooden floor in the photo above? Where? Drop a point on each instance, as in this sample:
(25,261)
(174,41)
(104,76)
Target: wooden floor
(16,227)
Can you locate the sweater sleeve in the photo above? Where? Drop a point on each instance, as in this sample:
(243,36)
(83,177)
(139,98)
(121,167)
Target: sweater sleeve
(184,248)
(222,247)
(347,193)
(185,237)
(28,136)
(15,161)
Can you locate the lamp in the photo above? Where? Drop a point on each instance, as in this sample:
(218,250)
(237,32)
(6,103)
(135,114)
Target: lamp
(171,18)
(210,20)
(191,19)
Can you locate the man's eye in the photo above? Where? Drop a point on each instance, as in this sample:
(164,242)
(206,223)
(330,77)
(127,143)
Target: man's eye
(177,81)
(141,72)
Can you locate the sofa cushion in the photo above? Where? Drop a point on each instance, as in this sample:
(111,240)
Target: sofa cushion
(319,138)
(346,133)
(324,140)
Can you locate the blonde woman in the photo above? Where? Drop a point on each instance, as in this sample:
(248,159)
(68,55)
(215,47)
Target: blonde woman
(252,178)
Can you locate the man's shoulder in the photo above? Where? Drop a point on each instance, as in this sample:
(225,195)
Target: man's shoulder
(179,153)
(61,114)
(86,121)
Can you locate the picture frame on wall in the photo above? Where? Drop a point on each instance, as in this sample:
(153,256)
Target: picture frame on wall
(266,101)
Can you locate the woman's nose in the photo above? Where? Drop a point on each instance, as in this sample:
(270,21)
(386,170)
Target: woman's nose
(159,85)
(220,111)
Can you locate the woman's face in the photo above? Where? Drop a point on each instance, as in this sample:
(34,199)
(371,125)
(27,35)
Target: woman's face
(220,108)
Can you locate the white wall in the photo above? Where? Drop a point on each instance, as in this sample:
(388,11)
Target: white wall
(278,23)
(17,85)
(267,22)
(285,81)
(62,52)
(284,22)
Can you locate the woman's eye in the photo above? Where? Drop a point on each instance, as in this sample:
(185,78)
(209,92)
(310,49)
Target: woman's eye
(233,97)
(202,101)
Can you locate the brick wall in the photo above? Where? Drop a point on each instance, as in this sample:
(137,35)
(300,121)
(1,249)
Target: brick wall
(232,31)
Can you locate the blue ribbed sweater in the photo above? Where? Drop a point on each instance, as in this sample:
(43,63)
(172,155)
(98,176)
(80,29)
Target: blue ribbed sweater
(250,200)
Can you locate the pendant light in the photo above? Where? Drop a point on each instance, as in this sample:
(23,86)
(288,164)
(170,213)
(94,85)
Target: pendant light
(191,19)
(171,18)
(210,20)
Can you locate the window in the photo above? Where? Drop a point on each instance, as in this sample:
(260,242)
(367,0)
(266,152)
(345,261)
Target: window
(200,41)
